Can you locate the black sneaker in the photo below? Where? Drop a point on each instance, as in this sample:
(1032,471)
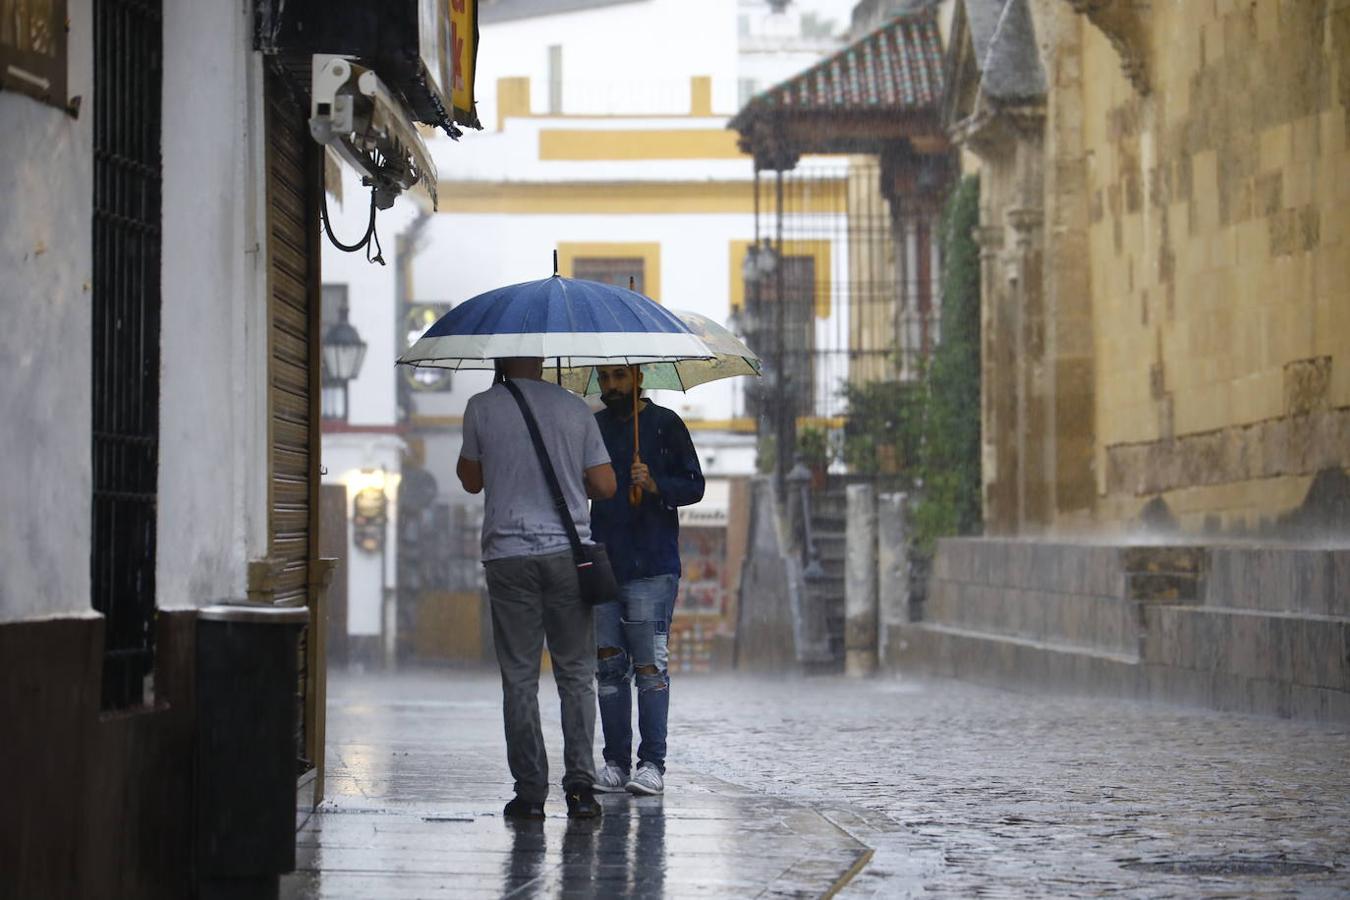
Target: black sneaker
(521,808)
(581,804)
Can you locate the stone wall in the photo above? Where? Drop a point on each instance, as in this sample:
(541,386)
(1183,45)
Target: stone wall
(1219,194)
(1036,304)
(1247,628)
(771,634)
(1165,247)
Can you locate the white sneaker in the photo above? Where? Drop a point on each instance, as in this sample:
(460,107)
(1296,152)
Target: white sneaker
(646,780)
(610,780)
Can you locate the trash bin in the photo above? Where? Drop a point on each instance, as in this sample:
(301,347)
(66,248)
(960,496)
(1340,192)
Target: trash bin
(246,756)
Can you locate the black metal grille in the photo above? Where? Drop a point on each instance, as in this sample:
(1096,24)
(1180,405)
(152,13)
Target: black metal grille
(128,76)
(859,286)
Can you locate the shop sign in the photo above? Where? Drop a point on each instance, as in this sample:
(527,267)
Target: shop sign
(370,508)
(33,49)
(416,321)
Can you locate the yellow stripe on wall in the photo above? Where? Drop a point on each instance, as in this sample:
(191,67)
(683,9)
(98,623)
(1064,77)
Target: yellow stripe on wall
(628,198)
(741,426)
(749,426)
(580,144)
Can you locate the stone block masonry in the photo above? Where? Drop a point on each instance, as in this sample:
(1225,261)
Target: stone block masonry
(1221,362)
(1243,627)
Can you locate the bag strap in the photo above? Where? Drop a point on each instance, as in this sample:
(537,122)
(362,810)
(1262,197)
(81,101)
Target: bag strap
(550,476)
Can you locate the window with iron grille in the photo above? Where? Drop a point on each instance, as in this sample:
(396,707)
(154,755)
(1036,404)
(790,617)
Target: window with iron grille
(128,78)
(611,270)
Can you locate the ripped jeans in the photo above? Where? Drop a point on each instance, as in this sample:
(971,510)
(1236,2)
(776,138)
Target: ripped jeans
(638,627)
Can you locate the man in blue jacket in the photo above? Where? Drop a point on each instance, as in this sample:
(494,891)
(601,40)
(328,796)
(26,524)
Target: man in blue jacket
(644,547)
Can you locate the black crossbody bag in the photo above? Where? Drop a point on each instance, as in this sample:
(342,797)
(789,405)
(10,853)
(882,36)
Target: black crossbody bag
(595,574)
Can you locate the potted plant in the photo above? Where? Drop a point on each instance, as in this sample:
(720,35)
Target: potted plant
(813,447)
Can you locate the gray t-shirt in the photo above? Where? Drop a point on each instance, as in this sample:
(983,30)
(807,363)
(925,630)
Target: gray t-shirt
(518,517)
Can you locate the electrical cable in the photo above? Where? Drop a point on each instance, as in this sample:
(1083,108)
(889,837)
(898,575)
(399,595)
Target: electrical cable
(366,239)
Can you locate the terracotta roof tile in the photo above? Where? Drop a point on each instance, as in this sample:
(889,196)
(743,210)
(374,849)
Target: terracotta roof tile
(897,67)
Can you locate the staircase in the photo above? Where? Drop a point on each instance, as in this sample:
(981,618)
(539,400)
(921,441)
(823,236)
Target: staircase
(825,581)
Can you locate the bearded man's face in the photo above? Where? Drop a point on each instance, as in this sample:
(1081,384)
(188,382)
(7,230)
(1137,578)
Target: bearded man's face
(616,387)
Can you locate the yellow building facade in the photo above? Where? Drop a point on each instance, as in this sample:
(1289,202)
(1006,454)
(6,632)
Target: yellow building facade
(1219,210)
(1184,215)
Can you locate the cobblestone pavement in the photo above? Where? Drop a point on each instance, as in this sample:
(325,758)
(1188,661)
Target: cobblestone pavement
(778,787)
(966,791)
(415,786)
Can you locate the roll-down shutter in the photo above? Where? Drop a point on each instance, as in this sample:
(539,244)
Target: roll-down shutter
(293,180)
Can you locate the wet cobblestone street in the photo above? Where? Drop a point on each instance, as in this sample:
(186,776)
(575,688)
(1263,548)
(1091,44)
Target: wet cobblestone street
(965,791)
(804,787)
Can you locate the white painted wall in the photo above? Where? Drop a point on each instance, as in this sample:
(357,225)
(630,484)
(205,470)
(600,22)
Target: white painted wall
(353,458)
(371,293)
(512,154)
(360,460)
(213,391)
(772,48)
(628,58)
(695,271)
(45,268)
(213,455)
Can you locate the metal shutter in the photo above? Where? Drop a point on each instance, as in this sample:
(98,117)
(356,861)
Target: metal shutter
(294,176)
(294,179)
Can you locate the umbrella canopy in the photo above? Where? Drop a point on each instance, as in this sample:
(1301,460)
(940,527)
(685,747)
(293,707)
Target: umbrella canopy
(579,323)
(730,358)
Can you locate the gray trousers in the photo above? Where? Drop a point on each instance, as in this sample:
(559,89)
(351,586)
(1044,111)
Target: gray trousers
(534,597)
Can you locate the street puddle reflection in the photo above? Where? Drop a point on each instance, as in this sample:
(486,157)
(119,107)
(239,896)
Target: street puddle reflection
(621,854)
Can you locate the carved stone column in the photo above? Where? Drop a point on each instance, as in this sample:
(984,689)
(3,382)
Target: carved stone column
(996,394)
(1024,261)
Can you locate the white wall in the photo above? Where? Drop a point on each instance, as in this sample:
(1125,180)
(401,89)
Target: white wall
(371,293)
(512,154)
(633,57)
(213,391)
(695,271)
(360,460)
(353,457)
(774,49)
(45,269)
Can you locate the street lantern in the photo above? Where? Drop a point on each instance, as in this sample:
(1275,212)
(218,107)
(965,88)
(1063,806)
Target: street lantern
(760,262)
(343,352)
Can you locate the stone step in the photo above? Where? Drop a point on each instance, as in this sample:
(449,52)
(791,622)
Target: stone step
(1300,649)
(831,500)
(829,523)
(833,562)
(1100,624)
(1280,579)
(1018,663)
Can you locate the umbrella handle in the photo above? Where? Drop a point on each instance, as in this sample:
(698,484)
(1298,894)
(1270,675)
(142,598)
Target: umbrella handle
(635,490)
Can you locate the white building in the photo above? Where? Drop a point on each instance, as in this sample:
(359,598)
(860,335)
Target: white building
(363,445)
(160,269)
(610,145)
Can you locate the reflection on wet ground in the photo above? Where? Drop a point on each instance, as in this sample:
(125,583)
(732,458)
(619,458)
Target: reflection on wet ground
(883,788)
(417,780)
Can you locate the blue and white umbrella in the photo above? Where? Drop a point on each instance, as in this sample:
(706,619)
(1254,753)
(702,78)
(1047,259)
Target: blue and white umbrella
(575,322)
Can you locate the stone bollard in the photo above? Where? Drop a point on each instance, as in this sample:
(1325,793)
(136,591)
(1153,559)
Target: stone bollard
(860,583)
(893,609)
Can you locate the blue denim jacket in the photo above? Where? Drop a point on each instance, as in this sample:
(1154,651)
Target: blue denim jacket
(645,540)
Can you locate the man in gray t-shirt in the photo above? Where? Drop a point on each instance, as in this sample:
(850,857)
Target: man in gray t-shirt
(531,577)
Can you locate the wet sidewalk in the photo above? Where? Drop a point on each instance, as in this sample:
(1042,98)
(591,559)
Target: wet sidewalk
(415,787)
